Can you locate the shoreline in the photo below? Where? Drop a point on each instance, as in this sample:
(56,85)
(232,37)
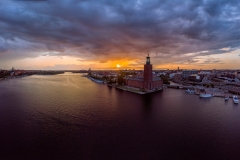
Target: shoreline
(215,91)
(124,88)
(133,90)
(218,91)
(14,77)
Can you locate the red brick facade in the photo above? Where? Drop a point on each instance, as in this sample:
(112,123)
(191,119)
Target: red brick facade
(135,83)
(148,82)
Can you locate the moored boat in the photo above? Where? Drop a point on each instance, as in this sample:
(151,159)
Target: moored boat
(226,98)
(190,91)
(235,99)
(206,95)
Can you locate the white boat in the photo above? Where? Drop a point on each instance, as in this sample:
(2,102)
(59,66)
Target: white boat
(235,99)
(206,95)
(226,98)
(190,91)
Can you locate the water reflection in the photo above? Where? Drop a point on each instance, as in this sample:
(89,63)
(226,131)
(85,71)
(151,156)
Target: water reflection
(69,116)
(147,103)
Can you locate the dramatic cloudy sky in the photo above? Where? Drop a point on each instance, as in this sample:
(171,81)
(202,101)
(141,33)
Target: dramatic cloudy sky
(99,34)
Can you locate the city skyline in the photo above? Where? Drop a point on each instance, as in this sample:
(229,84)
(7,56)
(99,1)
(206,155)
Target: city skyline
(74,35)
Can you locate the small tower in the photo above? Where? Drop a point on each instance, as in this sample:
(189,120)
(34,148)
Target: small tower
(148,59)
(148,74)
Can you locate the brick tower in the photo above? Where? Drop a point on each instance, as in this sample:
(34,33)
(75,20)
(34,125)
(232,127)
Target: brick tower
(148,78)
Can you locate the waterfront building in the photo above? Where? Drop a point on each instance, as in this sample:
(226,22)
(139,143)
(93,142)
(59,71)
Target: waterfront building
(237,75)
(187,73)
(148,81)
(205,80)
(207,74)
(194,77)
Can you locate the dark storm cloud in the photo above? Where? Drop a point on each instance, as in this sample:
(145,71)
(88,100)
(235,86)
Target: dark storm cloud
(32,0)
(120,28)
(192,61)
(2,49)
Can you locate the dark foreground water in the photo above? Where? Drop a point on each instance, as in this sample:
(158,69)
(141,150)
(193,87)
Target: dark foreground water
(70,117)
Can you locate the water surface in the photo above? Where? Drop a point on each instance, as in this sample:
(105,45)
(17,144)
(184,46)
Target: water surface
(70,117)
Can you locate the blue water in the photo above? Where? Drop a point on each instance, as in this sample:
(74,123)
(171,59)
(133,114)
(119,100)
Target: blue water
(71,117)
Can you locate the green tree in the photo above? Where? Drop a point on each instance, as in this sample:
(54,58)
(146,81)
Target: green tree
(165,79)
(120,80)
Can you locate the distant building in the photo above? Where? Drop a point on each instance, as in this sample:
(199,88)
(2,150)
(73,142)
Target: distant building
(176,76)
(205,80)
(148,81)
(194,77)
(187,73)
(89,71)
(237,75)
(12,74)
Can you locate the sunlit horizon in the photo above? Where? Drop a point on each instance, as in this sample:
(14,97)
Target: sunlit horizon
(36,35)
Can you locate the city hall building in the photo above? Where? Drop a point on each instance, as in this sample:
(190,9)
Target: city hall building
(148,82)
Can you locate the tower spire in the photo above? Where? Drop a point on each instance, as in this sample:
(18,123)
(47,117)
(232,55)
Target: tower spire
(148,59)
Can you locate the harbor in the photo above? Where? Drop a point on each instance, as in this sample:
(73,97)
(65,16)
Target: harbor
(199,89)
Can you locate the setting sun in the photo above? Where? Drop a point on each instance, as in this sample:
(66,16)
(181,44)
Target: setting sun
(118,66)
